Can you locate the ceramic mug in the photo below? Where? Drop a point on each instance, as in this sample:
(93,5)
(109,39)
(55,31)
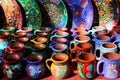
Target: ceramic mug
(111,65)
(77,29)
(60,40)
(97,28)
(100,40)
(9,29)
(105,47)
(80,49)
(64,29)
(41,33)
(59,66)
(79,39)
(82,32)
(86,64)
(100,33)
(58,47)
(39,40)
(60,34)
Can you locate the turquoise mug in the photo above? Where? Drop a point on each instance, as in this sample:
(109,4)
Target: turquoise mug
(60,34)
(104,48)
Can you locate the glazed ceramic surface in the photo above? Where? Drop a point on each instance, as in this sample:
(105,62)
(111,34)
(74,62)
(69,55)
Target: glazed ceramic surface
(82,13)
(111,65)
(56,11)
(108,11)
(32,13)
(12,13)
(59,67)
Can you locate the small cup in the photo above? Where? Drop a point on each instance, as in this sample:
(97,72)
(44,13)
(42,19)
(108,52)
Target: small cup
(60,40)
(78,33)
(86,64)
(39,40)
(110,64)
(8,29)
(79,39)
(104,48)
(64,29)
(60,34)
(59,47)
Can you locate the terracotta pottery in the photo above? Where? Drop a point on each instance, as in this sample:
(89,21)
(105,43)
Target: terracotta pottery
(38,46)
(58,47)
(79,39)
(60,40)
(39,40)
(26,29)
(59,34)
(77,29)
(59,67)
(82,32)
(12,67)
(41,34)
(15,47)
(46,29)
(109,65)
(64,29)
(81,48)
(4,34)
(35,68)
(19,34)
(85,66)
(22,39)
(104,48)
(8,29)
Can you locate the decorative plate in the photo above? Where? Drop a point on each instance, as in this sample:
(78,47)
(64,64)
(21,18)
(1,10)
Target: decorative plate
(55,13)
(82,13)
(12,13)
(108,11)
(32,13)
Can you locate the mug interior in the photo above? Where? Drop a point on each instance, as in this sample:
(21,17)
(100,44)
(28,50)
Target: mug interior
(34,57)
(101,32)
(82,32)
(87,57)
(109,45)
(60,57)
(60,46)
(16,45)
(62,28)
(60,40)
(103,38)
(82,38)
(85,45)
(111,56)
(60,33)
(41,39)
(11,57)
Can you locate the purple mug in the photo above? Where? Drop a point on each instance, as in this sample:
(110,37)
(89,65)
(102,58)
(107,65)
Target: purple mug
(111,65)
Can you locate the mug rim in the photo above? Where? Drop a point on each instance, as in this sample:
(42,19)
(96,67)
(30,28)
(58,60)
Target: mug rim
(113,53)
(82,40)
(109,43)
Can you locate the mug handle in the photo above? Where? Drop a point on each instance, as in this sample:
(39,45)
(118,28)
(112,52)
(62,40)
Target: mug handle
(51,38)
(48,60)
(98,67)
(72,44)
(97,57)
(71,52)
(75,71)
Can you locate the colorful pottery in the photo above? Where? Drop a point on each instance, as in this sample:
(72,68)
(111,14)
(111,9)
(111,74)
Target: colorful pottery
(4,34)
(108,13)
(85,66)
(58,47)
(32,14)
(35,68)
(59,67)
(104,48)
(81,16)
(39,40)
(81,48)
(110,64)
(9,29)
(79,39)
(12,67)
(100,40)
(60,34)
(60,40)
(14,47)
(55,13)
(13,13)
